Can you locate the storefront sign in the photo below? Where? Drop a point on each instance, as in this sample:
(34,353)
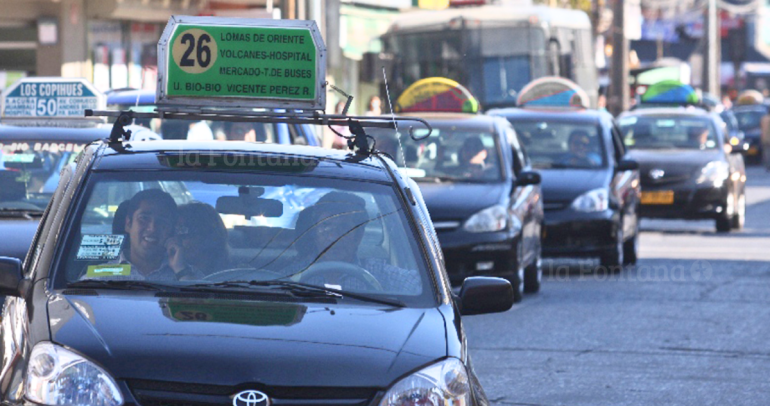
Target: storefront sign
(238,62)
(50,97)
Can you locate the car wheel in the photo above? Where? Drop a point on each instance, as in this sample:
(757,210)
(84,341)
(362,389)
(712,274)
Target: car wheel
(517,281)
(533,276)
(612,259)
(739,217)
(630,248)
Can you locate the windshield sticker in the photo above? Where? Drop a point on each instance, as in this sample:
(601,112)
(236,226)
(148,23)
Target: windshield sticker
(100,247)
(52,147)
(101,271)
(18,158)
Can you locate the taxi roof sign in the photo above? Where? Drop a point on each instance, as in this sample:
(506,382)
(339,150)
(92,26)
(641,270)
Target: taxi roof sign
(52,98)
(436,95)
(553,92)
(241,63)
(749,97)
(671,92)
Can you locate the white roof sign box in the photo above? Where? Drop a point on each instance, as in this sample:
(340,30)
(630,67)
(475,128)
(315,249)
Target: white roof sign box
(241,63)
(51,97)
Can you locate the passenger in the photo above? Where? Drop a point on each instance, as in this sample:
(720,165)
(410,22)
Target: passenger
(374,107)
(200,243)
(581,151)
(241,132)
(332,230)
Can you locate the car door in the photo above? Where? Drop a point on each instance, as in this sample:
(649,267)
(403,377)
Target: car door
(625,184)
(525,200)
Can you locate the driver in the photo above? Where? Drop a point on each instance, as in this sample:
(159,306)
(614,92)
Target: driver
(332,231)
(580,150)
(697,137)
(472,160)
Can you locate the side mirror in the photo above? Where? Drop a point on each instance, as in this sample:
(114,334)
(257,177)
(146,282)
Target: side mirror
(528,178)
(626,165)
(10,276)
(480,295)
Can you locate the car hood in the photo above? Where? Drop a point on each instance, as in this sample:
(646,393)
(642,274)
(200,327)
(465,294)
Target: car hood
(459,201)
(564,185)
(232,342)
(754,134)
(17,236)
(676,164)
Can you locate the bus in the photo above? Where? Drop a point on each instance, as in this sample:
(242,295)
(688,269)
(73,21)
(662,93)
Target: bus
(493,50)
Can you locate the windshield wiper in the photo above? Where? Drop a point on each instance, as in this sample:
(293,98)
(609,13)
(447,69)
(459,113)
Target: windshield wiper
(298,289)
(119,285)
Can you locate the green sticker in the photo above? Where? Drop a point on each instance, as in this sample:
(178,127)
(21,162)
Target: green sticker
(250,62)
(101,271)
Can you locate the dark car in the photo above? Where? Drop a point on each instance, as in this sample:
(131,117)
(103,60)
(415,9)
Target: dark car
(483,198)
(590,188)
(734,135)
(749,119)
(144,101)
(686,171)
(31,159)
(128,298)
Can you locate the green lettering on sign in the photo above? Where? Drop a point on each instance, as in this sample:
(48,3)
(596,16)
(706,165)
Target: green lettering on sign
(243,62)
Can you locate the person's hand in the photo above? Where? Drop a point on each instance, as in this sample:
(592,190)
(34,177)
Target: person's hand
(176,257)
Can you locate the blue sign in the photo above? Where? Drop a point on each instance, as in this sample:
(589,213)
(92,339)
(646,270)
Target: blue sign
(51,97)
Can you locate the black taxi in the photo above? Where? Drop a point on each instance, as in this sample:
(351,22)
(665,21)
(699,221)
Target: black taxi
(174,272)
(482,195)
(590,186)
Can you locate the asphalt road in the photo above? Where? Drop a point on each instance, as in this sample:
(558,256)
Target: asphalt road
(689,325)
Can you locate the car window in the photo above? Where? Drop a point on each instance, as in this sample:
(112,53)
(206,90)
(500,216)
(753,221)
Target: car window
(561,144)
(29,171)
(749,120)
(668,132)
(343,234)
(450,152)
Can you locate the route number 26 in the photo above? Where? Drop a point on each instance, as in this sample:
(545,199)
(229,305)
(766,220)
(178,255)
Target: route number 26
(194,51)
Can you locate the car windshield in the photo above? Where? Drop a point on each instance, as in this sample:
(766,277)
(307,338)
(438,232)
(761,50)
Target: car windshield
(204,228)
(749,120)
(29,172)
(668,132)
(451,152)
(729,119)
(561,144)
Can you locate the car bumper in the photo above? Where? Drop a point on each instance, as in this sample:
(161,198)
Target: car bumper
(695,202)
(577,234)
(474,254)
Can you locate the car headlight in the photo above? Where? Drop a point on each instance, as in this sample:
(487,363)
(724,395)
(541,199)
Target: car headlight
(443,384)
(57,376)
(493,218)
(715,172)
(593,200)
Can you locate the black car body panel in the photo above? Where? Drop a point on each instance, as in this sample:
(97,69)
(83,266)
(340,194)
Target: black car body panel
(297,351)
(572,233)
(16,235)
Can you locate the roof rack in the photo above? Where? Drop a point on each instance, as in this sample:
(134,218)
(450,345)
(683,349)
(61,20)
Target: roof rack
(358,142)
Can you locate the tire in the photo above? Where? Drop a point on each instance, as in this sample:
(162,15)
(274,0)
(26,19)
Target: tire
(612,259)
(517,281)
(724,224)
(630,250)
(533,276)
(739,217)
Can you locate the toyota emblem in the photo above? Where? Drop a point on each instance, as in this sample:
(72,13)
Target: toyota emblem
(657,173)
(251,398)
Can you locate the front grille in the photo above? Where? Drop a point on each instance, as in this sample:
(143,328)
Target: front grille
(549,206)
(159,393)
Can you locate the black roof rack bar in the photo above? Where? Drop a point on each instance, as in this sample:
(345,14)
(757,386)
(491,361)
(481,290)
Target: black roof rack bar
(355,123)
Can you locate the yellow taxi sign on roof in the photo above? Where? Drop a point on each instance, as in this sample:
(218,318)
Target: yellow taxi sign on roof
(748,97)
(436,95)
(553,92)
(241,63)
(50,98)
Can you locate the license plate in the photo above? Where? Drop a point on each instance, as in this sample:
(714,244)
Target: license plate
(658,197)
